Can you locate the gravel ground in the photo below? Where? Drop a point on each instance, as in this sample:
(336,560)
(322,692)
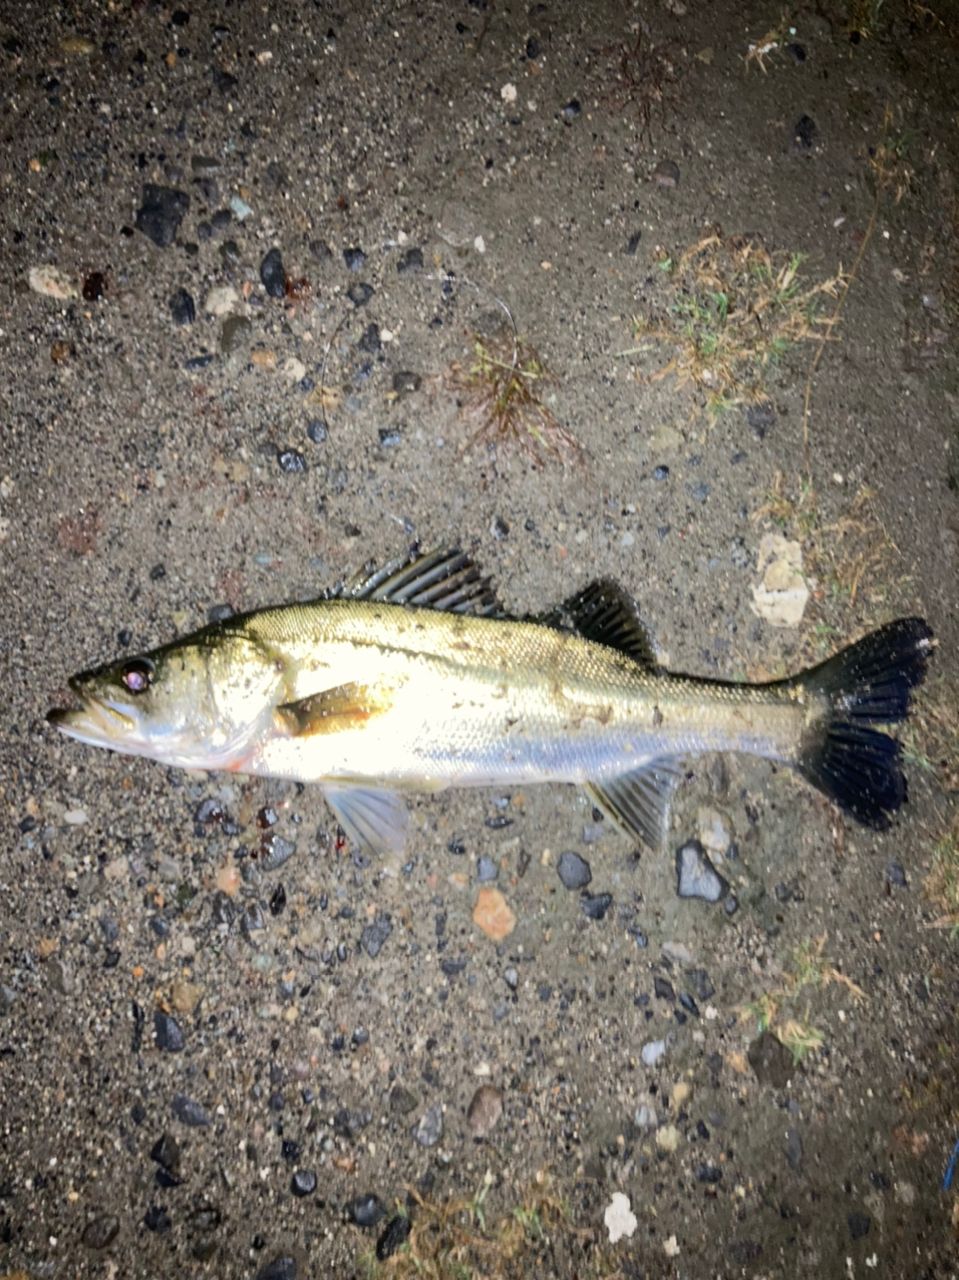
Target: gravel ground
(243,251)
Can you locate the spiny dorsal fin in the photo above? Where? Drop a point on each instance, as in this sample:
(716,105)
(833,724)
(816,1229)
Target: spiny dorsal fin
(638,802)
(446,579)
(605,613)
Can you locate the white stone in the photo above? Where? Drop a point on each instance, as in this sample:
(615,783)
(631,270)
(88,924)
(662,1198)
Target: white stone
(619,1218)
(781,594)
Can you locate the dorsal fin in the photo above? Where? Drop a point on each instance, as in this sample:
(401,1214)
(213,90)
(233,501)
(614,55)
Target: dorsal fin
(605,613)
(446,579)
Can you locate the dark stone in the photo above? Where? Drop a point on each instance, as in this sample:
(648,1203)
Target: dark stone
(859,1224)
(282,1267)
(157,1219)
(291,461)
(412,260)
(709,1173)
(374,935)
(101,1231)
(406,381)
(317,430)
(390,437)
(359,294)
(486,869)
(354,259)
(394,1237)
(303,1182)
(273,275)
(632,244)
(796,51)
(595,905)
(573,871)
(663,988)
(166,1153)
(277,900)
(161,212)
(367,1211)
(168,1033)
(189,1112)
(276,850)
(760,417)
(770,1060)
(94,286)
(571,111)
(805,132)
(533,48)
(896,875)
(661,473)
(370,340)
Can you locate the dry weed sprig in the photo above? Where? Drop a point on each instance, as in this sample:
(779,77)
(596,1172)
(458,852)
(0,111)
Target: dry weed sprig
(501,388)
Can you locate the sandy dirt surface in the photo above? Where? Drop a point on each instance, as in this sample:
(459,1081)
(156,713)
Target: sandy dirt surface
(249,255)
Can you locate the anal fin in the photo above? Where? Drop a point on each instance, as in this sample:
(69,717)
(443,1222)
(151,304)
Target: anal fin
(638,801)
(373,819)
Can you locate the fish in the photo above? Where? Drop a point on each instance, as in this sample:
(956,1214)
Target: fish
(413,678)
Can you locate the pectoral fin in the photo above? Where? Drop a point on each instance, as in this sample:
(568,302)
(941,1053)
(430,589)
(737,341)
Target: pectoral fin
(638,802)
(375,820)
(347,706)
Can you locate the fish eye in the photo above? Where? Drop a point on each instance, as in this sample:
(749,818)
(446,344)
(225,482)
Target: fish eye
(137,676)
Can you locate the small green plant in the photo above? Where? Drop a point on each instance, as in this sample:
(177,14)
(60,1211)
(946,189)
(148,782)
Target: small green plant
(501,388)
(730,312)
(775,1010)
(461,1239)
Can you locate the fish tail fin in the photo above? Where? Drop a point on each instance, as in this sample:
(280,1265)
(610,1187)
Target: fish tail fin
(871,682)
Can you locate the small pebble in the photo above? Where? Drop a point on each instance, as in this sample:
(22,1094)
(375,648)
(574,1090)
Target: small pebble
(652,1052)
(273,275)
(571,111)
(430,1128)
(317,430)
(859,1225)
(390,437)
(805,132)
(709,1173)
(303,1182)
(360,293)
(770,1060)
(595,905)
(161,212)
(411,261)
(370,341)
(167,1032)
(291,461)
(354,259)
(661,473)
(573,871)
(696,877)
(486,869)
(406,382)
(394,1237)
(189,1112)
(485,1110)
(101,1231)
(374,936)
(896,875)
(182,307)
(663,988)
(367,1210)
(282,1267)
(666,174)
(644,1117)
(796,51)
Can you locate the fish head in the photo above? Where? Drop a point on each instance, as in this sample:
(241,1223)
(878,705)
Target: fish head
(198,703)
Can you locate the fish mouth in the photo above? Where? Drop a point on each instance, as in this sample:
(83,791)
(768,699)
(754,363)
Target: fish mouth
(99,720)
